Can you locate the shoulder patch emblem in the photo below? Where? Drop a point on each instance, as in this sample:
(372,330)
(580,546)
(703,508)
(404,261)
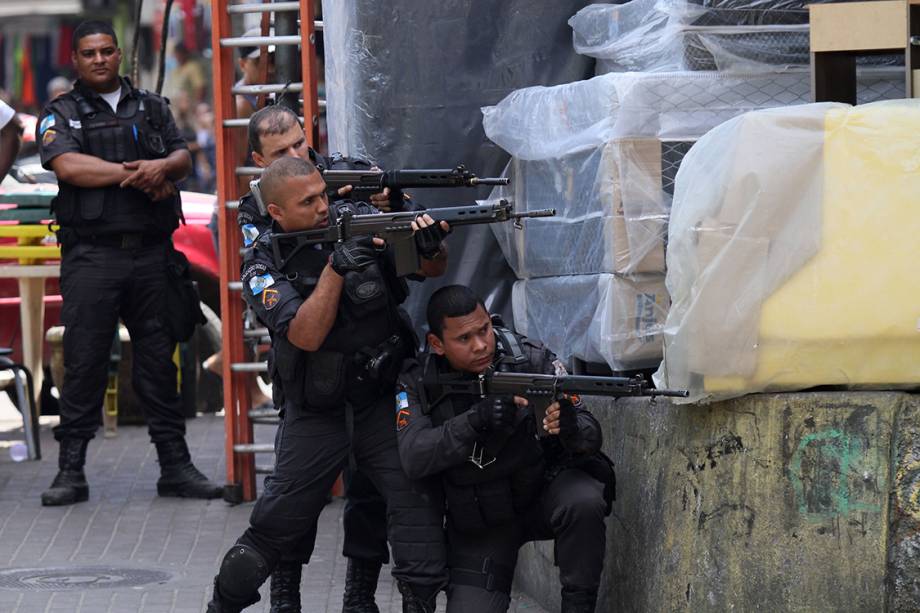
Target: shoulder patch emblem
(250,234)
(48,137)
(402,410)
(270,298)
(260,282)
(47,122)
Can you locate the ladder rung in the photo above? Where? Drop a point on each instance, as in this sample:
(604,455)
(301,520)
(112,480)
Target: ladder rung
(267,88)
(257,333)
(265,469)
(320,102)
(232,204)
(274,7)
(243,122)
(249,367)
(254,448)
(235,286)
(260,41)
(248,170)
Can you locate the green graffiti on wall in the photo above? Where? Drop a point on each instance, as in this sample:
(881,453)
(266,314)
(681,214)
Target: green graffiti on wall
(821,473)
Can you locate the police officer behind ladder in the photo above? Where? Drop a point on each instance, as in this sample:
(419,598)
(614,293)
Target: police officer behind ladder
(116,152)
(338,339)
(503,486)
(275,132)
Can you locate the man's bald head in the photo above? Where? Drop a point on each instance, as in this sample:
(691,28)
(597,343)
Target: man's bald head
(276,175)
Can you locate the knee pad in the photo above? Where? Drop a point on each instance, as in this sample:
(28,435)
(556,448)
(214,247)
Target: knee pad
(242,572)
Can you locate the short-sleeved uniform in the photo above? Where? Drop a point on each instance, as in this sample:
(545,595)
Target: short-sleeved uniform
(334,408)
(115,243)
(522,489)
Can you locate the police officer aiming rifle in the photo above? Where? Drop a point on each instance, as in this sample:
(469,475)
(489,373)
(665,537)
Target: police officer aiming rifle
(503,486)
(338,338)
(275,132)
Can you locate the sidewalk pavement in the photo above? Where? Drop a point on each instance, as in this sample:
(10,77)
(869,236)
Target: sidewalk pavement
(126,550)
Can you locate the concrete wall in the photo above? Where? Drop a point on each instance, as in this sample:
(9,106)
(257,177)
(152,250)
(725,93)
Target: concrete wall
(784,502)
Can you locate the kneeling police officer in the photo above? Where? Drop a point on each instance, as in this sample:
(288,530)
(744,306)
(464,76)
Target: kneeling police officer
(503,485)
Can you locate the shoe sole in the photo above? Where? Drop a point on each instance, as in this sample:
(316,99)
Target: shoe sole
(82,495)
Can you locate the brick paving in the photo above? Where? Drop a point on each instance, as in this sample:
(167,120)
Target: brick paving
(126,526)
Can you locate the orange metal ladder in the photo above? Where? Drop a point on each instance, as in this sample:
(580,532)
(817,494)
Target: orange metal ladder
(237,371)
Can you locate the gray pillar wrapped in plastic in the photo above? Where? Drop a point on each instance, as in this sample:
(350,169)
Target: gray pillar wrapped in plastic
(405,80)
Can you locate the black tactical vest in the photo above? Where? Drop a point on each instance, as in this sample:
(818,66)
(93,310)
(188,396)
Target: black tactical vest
(508,473)
(116,138)
(361,356)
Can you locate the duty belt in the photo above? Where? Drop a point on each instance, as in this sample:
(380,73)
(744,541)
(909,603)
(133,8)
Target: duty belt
(126,240)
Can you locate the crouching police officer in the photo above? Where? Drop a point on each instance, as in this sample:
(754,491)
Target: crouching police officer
(503,486)
(338,338)
(116,152)
(275,132)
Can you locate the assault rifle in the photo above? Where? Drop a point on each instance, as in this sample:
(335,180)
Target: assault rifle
(395,229)
(543,390)
(373,181)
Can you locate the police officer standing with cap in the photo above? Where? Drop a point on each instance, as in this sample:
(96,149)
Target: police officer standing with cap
(503,486)
(116,152)
(338,340)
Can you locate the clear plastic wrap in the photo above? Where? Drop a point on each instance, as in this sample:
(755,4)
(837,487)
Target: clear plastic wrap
(674,35)
(604,153)
(611,211)
(792,251)
(601,318)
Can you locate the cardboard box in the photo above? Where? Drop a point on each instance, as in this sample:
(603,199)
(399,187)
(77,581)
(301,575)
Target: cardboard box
(645,252)
(639,307)
(858,26)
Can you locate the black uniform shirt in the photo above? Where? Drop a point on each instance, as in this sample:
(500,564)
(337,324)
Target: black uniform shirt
(426,449)
(60,129)
(271,294)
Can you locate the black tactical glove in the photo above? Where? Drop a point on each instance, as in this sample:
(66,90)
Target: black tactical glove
(354,254)
(496,413)
(568,419)
(428,239)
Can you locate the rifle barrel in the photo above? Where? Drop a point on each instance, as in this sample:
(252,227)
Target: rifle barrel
(537,213)
(491,181)
(674,393)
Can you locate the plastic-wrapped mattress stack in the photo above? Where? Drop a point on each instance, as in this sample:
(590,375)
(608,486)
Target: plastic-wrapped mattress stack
(605,153)
(792,253)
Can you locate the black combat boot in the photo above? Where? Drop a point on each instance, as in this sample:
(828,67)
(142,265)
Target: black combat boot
(69,486)
(360,585)
(285,589)
(578,600)
(412,603)
(178,476)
